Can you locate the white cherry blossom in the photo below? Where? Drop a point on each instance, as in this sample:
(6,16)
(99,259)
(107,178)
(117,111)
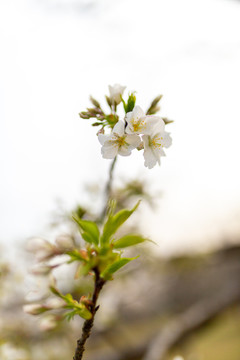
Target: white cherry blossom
(140,123)
(154,144)
(116,92)
(118,142)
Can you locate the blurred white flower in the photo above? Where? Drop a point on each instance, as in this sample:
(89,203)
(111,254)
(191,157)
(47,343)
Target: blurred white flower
(41,248)
(55,303)
(140,123)
(39,288)
(116,92)
(178,358)
(153,145)
(49,322)
(8,351)
(118,142)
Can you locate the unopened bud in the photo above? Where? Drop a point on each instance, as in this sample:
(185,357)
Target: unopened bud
(34,309)
(64,242)
(101,131)
(84,115)
(41,270)
(116,92)
(95,102)
(41,248)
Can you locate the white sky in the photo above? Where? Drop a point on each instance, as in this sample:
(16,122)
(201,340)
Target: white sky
(55,53)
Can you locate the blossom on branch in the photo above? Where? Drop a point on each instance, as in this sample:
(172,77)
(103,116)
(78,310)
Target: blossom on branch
(153,145)
(118,142)
(140,123)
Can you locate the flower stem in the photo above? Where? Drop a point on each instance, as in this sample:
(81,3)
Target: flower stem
(88,324)
(108,189)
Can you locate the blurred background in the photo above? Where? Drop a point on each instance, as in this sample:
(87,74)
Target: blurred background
(54,54)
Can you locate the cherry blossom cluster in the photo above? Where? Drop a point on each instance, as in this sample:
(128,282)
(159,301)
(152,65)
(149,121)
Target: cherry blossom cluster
(125,137)
(137,130)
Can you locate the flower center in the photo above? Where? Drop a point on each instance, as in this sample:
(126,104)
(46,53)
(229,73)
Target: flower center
(119,140)
(155,142)
(138,124)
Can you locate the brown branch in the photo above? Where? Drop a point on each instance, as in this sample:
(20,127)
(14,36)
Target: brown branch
(88,324)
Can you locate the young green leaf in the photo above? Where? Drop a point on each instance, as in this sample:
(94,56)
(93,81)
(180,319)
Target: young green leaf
(77,255)
(128,240)
(111,269)
(81,311)
(114,222)
(89,230)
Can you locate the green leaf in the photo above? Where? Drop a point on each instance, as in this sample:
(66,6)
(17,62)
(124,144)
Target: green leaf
(75,255)
(111,269)
(83,270)
(90,228)
(128,240)
(81,311)
(85,313)
(114,222)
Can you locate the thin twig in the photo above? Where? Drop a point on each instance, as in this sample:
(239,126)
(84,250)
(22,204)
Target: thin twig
(88,324)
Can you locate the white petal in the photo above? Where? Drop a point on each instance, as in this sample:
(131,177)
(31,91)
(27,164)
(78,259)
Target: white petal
(158,152)
(150,158)
(119,128)
(109,152)
(129,116)
(102,138)
(125,150)
(154,124)
(167,140)
(137,112)
(133,140)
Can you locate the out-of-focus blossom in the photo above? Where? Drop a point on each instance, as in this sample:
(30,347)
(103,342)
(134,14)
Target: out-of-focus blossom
(115,93)
(39,289)
(48,323)
(64,242)
(41,269)
(55,303)
(118,142)
(43,249)
(10,352)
